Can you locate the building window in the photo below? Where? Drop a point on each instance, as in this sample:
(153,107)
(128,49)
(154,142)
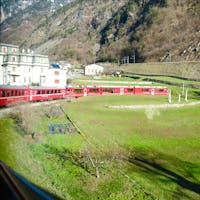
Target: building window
(14,69)
(13,59)
(29,59)
(56,72)
(13,79)
(24,59)
(4,49)
(14,49)
(56,81)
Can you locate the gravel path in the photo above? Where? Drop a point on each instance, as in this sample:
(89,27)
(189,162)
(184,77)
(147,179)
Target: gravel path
(121,82)
(154,106)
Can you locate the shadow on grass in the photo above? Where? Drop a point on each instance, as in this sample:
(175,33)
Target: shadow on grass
(76,158)
(14,186)
(154,168)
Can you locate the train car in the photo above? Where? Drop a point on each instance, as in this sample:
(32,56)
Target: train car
(46,93)
(13,94)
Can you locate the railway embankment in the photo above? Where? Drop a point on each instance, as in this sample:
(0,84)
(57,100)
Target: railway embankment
(184,70)
(152,80)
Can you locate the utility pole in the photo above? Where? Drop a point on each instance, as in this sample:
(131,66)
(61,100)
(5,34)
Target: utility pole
(127,59)
(179,98)
(170,57)
(183,89)
(124,60)
(186,95)
(134,56)
(169,97)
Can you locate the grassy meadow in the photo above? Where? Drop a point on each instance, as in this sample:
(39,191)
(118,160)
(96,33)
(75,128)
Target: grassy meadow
(122,154)
(166,141)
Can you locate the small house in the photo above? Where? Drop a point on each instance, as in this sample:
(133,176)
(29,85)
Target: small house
(93,70)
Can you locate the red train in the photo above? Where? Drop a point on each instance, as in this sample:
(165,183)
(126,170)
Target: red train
(12,94)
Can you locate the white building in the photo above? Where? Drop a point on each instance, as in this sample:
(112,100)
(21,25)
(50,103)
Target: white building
(56,76)
(93,70)
(26,68)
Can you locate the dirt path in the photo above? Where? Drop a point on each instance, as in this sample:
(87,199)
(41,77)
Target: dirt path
(145,106)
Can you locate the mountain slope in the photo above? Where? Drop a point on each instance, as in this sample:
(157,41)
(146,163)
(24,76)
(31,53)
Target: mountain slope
(108,30)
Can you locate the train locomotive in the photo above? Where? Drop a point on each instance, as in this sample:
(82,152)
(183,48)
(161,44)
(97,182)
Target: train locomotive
(13,94)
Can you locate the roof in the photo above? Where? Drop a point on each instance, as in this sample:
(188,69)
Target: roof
(94,65)
(55,66)
(9,45)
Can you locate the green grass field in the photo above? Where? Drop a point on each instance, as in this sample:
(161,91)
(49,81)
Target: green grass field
(145,153)
(167,144)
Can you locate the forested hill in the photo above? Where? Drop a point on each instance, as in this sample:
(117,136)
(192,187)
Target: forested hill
(105,30)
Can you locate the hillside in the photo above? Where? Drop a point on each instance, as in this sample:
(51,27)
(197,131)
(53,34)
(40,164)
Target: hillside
(153,30)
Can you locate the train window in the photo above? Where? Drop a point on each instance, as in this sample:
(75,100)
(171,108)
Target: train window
(109,90)
(12,93)
(78,90)
(52,92)
(8,93)
(58,91)
(159,90)
(47,91)
(3,93)
(130,90)
(145,89)
(93,90)
(43,91)
(38,91)
(68,91)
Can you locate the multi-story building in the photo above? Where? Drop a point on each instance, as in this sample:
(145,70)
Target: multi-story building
(26,68)
(56,75)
